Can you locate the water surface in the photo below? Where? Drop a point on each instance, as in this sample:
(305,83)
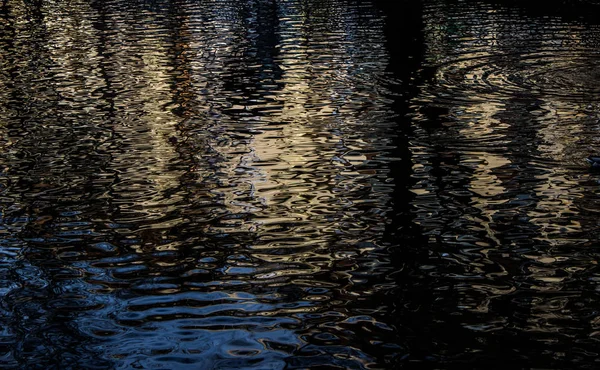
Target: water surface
(506,112)
(194,184)
(296,184)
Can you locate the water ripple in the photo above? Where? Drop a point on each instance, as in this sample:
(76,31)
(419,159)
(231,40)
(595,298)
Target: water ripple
(193,184)
(506,112)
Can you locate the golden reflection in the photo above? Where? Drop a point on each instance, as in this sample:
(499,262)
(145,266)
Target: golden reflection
(484,118)
(513,130)
(304,154)
(162,149)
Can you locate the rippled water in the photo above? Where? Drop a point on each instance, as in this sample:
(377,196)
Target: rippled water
(507,110)
(194,184)
(296,184)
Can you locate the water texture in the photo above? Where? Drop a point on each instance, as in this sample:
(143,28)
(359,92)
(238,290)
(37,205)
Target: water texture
(508,108)
(294,184)
(194,184)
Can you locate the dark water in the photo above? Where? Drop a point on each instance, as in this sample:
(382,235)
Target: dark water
(297,184)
